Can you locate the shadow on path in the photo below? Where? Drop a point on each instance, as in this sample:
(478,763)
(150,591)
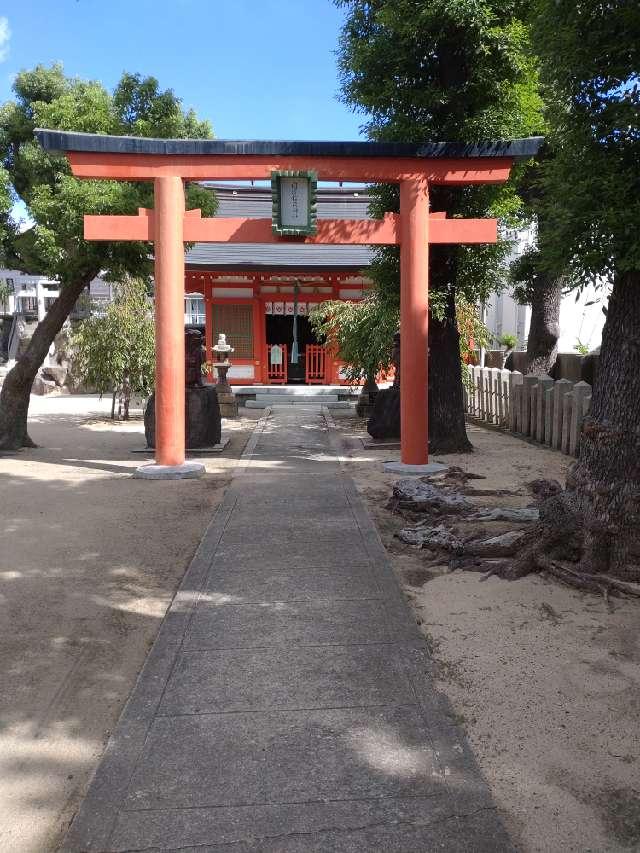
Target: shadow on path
(287,704)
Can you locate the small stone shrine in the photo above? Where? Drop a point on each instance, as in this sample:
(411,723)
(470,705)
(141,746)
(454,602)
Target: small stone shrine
(202,413)
(226,398)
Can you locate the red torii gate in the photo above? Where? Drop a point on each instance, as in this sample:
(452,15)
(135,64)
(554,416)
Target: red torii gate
(170,162)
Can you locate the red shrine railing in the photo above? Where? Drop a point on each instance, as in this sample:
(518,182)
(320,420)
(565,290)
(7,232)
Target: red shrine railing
(277,364)
(315,364)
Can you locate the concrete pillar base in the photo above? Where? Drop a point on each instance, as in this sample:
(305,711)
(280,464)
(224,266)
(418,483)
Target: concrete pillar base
(402,468)
(186,471)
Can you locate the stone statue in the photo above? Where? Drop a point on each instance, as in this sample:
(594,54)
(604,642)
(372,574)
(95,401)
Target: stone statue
(194,356)
(202,410)
(385,417)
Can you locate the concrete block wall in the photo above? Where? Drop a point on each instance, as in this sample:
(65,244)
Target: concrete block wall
(535,407)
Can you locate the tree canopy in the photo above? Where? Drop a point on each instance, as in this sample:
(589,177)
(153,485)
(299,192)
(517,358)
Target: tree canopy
(55,201)
(590,188)
(53,243)
(443,70)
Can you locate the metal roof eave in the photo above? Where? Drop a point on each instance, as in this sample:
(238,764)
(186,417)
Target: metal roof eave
(300,269)
(63,141)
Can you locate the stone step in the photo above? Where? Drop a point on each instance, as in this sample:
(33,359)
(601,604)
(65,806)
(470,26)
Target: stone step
(263,402)
(300,391)
(284,399)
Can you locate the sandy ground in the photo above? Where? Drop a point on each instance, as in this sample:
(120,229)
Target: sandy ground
(545,680)
(89,560)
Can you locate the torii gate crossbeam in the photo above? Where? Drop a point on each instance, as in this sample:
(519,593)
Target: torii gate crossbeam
(168,163)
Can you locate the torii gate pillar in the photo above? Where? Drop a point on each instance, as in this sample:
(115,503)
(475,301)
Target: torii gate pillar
(169,289)
(414,314)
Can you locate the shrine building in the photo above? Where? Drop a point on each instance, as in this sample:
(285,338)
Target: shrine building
(249,291)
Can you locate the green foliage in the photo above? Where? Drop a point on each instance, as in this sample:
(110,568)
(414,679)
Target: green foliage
(473,332)
(590,187)
(361,333)
(581,348)
(439,69)
(507,341)
(444,70)
(115,352)
(55,200)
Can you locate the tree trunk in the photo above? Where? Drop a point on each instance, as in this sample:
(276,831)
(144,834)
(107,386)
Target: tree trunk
(542,344)
(603,486)
(16,390)
(126,394)
(447,430)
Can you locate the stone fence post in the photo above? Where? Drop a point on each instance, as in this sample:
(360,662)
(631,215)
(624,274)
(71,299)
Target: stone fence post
(560,389)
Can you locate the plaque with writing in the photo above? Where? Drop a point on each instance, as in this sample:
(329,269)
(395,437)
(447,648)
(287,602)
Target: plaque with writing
(294,203)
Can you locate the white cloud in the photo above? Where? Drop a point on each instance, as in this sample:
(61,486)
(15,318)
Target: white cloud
(5,35)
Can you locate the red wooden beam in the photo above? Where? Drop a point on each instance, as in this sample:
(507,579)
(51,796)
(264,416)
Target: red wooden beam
(234,167)
(380,232)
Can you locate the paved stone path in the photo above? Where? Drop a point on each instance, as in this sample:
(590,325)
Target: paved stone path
(287,703)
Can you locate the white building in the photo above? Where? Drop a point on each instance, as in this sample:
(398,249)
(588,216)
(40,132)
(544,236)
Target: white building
(194,310)
(581,312)
(32,295)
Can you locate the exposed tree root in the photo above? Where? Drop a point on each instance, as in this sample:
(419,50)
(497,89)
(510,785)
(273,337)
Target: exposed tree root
(557,544)
(581,580)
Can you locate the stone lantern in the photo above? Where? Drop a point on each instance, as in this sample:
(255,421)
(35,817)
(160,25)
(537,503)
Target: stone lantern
(226,398)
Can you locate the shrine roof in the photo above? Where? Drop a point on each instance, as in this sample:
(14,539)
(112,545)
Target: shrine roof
(61,140)
(351,202)
(243,200)
(278,256)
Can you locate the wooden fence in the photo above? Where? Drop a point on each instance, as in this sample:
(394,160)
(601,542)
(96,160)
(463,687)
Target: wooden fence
(315,364)
(277,373)
(536,407)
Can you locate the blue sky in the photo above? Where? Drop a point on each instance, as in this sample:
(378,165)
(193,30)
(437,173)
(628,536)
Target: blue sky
(258,69)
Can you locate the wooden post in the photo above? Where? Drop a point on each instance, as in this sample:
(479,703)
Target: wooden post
(529,382)
(504,397)
(562,387)
(482,381)
(544,384)
(414,307)
(169,314)
(568,404)
(548,415)
(515,380)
